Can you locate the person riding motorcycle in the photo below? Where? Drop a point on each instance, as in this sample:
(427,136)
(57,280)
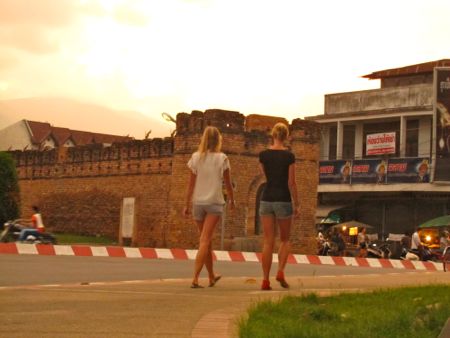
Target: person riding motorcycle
(37,226)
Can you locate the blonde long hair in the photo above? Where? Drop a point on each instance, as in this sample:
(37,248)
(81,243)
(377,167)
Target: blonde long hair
(211,141)
(280,132)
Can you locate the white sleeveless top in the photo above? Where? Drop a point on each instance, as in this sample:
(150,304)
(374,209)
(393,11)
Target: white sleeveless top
(209,170)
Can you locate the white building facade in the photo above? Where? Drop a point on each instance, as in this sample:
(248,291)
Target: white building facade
(378,151)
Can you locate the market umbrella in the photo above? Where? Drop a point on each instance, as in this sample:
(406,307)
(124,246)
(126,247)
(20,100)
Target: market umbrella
(442,221)
(352,224)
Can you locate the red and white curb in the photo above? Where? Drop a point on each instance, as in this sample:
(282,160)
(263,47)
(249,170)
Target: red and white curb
(227,256)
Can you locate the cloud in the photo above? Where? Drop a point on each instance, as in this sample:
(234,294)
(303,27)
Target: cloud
(33,26)
(130,16)
(28,38)
(7,60)
(49,13)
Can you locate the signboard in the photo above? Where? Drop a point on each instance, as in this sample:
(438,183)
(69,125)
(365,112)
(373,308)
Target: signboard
(381,143)
(334,172)
(369,171)
(442,124)
(408,170)
(127,217)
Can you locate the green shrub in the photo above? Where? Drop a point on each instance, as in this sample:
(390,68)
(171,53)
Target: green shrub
(9,189)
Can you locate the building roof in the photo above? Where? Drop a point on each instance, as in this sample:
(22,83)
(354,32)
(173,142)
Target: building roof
(420,68)
(41,130)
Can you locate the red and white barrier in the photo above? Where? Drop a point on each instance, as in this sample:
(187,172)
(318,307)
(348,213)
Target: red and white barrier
(227,256)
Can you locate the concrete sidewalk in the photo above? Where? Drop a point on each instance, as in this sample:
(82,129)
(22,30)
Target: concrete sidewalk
(165,308)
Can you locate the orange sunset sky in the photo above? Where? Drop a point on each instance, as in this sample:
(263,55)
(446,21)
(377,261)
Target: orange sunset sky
(254,56)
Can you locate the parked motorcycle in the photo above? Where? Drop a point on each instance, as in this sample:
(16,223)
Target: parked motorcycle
(382,250)
(11,232)
(413,254)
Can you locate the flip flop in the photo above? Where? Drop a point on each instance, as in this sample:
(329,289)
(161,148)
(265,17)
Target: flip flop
(196,286)
(213,282)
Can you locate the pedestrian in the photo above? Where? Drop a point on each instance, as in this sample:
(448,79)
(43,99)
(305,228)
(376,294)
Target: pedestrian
(338,241)
(362,242)
(279,202)
(36,226)
(204,199)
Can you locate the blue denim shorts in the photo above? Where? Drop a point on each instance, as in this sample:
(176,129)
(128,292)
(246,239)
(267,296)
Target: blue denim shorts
(199,211)
(277,209)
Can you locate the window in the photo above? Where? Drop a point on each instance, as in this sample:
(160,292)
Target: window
(332,143)
(412,138)
(348,149)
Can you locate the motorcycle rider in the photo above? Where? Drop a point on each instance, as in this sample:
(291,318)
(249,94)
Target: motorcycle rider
(37,226)
(416,244)
(363,242)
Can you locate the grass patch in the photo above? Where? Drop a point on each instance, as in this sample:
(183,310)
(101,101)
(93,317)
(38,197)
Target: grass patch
(404,312)
(64,238)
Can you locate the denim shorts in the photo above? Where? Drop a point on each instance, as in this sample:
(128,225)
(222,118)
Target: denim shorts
(199,211)
(277,209)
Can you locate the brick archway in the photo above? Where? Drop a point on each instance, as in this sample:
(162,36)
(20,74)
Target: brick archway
(254,194)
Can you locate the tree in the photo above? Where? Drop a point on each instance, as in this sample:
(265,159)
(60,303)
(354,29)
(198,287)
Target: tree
(9,189)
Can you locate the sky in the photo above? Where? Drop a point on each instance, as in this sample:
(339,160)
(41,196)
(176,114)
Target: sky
(254,56)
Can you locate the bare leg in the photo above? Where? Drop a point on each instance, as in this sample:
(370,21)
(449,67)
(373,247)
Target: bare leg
(285,246)
(205,244)
(209,257)
(268,223)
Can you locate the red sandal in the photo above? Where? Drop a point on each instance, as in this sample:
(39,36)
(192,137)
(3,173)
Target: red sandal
(281,280)
(266,285)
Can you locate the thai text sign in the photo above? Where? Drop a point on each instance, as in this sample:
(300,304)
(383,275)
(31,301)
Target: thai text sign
(381,143)
(375,171)
(334,172)
(369,171)
(409,170)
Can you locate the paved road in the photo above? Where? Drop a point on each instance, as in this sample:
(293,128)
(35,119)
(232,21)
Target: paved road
(31,269)
(151,298)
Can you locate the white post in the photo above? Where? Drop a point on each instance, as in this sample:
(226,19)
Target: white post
(340,140)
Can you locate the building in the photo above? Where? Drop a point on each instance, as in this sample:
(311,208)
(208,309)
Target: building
(34,135)
(385,152)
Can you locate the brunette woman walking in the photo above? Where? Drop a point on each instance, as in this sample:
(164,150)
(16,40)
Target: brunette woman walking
(204,198)
(279,202)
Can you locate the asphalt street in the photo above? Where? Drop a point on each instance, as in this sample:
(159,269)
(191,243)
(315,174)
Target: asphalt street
(110,297)
(36,269)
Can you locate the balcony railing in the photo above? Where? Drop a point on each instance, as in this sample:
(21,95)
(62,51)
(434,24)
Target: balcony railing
(375,171)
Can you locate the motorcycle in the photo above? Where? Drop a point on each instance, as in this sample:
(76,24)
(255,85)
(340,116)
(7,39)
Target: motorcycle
(379,251)
(11,232)
(413,254)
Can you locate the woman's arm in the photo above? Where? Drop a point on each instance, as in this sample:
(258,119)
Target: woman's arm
(189,193)
(293,189)
(229,188)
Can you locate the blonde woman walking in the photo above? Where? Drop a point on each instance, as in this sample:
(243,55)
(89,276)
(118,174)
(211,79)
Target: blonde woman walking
(204,198)
(279,202)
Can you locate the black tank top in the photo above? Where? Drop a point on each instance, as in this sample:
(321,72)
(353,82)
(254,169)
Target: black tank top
(276,168)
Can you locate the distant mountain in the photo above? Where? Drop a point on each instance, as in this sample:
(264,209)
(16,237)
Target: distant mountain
(61,112)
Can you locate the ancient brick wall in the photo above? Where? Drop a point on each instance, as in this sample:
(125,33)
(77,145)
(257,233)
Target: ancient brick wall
(80,189)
